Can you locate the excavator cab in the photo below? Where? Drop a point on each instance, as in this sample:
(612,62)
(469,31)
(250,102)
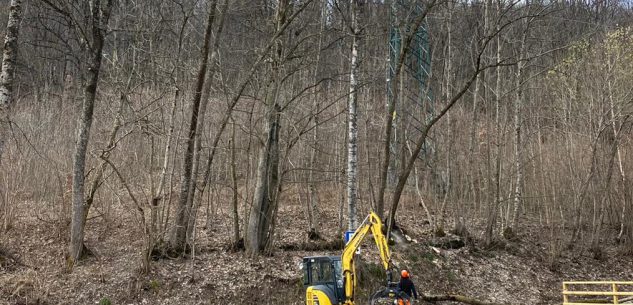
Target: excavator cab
(323,280)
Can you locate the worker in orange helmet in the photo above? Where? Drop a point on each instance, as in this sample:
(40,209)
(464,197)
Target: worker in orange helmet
(406,285)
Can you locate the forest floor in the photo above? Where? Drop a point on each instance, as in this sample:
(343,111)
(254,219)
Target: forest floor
(33,268)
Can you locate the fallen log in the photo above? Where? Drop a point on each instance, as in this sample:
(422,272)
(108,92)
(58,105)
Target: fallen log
(456,298)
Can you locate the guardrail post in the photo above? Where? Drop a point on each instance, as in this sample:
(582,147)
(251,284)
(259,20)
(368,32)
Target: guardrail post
(565,298)
(615,293)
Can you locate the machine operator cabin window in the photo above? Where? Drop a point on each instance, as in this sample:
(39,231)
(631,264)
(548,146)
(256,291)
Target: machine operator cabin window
(322,272)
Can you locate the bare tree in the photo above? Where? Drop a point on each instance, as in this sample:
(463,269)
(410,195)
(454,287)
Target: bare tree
(98,28)
(178,238)
(518,143)
(267,185)
(206,97)
(493,207)
(313,197)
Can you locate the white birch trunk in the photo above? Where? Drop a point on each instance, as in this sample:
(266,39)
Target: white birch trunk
(7,72)
(352,125)
(7,78)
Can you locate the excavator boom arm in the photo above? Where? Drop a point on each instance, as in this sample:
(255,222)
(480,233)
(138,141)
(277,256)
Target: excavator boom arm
(371,224)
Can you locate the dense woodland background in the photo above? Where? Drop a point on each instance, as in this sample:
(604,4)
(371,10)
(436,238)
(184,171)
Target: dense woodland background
(224,112)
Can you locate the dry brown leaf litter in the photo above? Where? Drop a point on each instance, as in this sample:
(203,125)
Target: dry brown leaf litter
(216,276)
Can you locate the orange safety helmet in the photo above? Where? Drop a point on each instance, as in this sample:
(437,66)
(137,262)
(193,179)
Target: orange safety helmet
(404,274)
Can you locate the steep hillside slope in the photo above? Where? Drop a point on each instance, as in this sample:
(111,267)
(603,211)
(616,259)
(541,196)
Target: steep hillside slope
(33,269)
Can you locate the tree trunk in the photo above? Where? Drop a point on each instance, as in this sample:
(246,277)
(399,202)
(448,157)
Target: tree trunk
(234,201)
(265,197)
(7,72)
(213,67)
(460,210)
(429,217)
(100,17)
(352,125)
(495,202)
(7,78)
(178,239)
(313,198)
(473,173)
(518,162)
(267,180)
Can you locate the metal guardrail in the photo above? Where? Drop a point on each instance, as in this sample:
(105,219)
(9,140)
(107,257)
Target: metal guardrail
(612,292)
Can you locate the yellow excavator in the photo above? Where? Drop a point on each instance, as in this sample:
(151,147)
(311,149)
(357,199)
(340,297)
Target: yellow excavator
(331,280)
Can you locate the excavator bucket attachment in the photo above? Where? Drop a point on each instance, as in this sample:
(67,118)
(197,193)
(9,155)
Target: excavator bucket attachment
(388,296)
